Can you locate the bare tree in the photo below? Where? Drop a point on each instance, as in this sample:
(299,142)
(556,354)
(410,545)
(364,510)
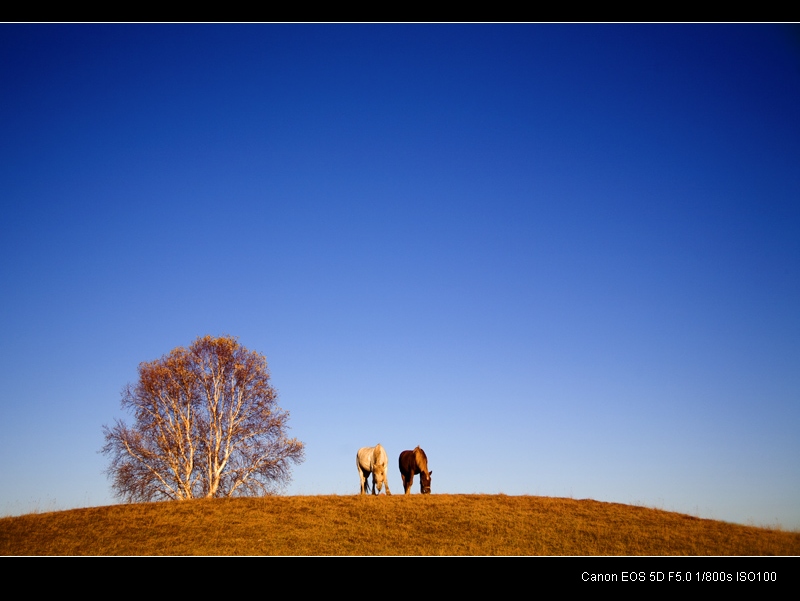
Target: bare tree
(207,424)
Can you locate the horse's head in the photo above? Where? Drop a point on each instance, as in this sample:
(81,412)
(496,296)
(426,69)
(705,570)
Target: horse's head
(425,482)
(378,476)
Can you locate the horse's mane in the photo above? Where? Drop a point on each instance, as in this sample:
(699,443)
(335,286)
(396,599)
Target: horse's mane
(422,459)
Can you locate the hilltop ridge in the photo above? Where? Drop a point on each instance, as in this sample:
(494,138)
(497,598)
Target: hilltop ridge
(396,525)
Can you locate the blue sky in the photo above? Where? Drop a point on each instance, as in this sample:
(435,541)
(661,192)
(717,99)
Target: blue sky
(563,259)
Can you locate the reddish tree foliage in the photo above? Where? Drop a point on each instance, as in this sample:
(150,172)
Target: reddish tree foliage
(207,424)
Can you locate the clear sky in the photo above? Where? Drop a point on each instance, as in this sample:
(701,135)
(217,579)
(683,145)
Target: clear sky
(563,259)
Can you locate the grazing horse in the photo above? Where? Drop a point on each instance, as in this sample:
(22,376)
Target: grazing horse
(372,460)
(412,463)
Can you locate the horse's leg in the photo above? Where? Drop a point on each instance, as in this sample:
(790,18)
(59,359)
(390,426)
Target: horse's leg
(361,475)
(407,483)
(374,485)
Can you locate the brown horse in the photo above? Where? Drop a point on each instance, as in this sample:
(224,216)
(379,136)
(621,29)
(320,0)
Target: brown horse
(412,463)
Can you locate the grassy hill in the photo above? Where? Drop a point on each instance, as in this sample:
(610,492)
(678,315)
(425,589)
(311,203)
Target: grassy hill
(394,525)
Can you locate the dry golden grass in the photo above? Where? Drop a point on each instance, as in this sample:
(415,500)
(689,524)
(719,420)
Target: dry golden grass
(394,525)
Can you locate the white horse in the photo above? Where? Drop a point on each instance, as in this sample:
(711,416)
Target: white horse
(372,460)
